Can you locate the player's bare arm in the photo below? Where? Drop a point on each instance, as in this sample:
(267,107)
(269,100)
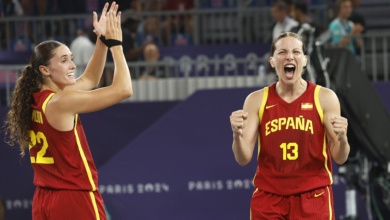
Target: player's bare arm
(245,125)
(69,102)
(94,70)
(335,125)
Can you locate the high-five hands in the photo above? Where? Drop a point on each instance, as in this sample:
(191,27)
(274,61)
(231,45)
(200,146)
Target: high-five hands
(113,26)
(238,121)
(340,126)
(100,26)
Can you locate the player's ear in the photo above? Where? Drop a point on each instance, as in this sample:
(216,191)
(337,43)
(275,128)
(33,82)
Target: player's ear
(305,61)
(44,70)
(271,61)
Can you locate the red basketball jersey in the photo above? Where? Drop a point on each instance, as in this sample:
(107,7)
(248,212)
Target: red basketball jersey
(61,159)
(293,152)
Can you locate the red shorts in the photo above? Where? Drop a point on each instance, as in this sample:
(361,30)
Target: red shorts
(315,204)
(51,204)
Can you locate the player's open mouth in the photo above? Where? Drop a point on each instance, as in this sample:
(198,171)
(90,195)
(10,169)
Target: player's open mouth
(289,70)
(70,75)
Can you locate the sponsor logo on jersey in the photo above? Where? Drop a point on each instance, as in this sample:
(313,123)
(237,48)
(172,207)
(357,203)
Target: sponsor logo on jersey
(289,123)
(307,106)
(318,195)
(267,107)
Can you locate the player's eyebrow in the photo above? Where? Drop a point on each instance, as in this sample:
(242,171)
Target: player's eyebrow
(282,49)
(65,55)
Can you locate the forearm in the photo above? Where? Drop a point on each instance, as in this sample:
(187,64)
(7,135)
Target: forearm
(94,69)
(122,79)
(241,150)
(340,151)
(345,41)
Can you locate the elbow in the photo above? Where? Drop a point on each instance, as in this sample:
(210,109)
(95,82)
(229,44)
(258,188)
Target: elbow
(243,162)
(125,93)
(340,162)
(128,93)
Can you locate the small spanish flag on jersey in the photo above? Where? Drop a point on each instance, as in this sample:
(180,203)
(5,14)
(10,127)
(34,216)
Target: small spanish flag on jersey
(307,106)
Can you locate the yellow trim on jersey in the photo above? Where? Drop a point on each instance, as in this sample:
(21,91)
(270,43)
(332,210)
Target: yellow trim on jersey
(326,160)
(317,102)
(83,155)
(330,205)
(261,112)
(46,101)
(320,112)
(263,102)
(94,205)
(255,191)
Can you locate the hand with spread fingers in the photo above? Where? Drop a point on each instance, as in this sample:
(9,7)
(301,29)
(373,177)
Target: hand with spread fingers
(340,126)
(113,26)
(100,26)
(238,121)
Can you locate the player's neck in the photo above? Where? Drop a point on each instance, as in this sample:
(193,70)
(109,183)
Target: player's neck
(290,92)
(51,86)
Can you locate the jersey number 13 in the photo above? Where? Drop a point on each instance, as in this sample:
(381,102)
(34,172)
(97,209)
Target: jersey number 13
(294,153)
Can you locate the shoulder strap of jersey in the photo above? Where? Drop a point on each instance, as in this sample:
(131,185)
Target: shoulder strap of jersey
(46,101)
(317,103)
(263,102)
(325,146)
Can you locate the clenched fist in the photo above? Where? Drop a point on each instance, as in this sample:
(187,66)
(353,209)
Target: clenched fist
(340,126)
(238,121)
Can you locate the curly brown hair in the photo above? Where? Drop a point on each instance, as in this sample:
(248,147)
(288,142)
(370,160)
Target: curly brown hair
(18,121)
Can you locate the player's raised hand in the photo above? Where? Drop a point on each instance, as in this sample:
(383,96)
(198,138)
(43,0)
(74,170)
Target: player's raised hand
(340,126)
(113,25)
(100,26)
(238,121)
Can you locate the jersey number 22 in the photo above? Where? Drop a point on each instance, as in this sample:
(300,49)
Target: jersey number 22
(41,138)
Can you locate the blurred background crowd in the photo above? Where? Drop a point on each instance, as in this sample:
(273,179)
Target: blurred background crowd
(151,24)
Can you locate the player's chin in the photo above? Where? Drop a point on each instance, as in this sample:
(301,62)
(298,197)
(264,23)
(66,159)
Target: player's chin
(71,82)
(288,80)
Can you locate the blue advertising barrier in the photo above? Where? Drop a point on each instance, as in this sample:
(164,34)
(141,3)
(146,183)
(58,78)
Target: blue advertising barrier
(183,167)
(107,131)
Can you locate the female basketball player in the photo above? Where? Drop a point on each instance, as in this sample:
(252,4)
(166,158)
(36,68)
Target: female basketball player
(44,116)
(299,126)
